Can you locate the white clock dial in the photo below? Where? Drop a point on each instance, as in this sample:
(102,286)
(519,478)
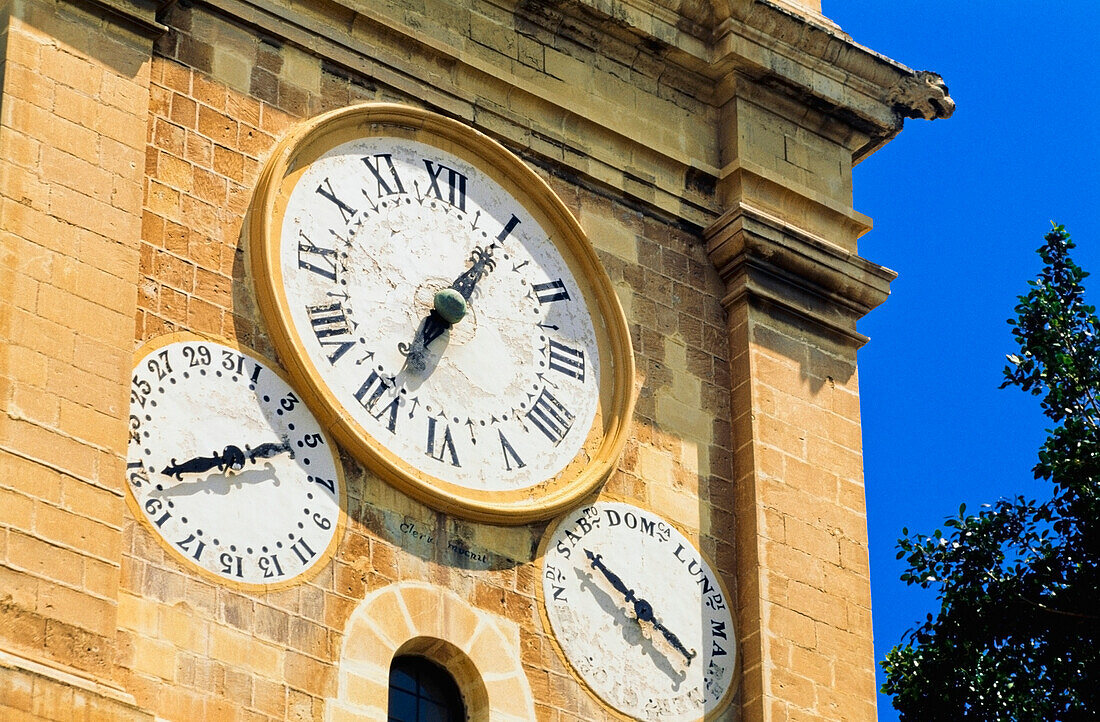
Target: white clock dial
(639,613)
(227,466)
(438,303)
(500,399)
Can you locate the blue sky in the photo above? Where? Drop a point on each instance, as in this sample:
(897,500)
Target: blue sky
(959,207)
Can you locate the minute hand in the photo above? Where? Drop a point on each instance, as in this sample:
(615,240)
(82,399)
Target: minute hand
(643,610)
(481,263)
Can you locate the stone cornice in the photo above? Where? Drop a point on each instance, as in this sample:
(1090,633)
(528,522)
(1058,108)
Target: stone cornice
(765,259)
(138,15)
(757,46)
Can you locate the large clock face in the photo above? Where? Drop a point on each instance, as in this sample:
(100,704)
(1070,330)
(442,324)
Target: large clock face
(226,465)
(639,613)
(446,311)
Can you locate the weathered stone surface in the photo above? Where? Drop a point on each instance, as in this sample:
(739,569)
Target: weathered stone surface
(707,150)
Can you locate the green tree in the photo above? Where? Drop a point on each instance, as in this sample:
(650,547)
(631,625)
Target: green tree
(1017,636)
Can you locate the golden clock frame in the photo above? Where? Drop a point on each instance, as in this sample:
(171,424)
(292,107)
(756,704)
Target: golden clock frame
(605,440)
(540,560)
(186,562)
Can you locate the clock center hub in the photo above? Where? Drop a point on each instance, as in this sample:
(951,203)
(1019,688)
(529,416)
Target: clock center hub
(450,305)
(424,301)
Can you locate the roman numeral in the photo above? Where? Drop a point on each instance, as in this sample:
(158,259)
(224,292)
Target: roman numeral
(328,320)
(456,185)
(320,260)
(370,393)
(567,360)
(345,210)
(549,292)
(446,444)
(510,454)
(376,169)
(551,418)
(508,228)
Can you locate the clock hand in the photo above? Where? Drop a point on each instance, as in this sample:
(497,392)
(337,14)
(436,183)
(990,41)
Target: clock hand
(482,262)
(269,449)
(450,307)
(597,563)
(231,459)
(192,466)
(643,610)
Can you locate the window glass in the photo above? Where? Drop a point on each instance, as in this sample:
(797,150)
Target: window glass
(422,691)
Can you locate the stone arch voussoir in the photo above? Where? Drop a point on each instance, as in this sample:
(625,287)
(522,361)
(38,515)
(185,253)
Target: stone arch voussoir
(480,649)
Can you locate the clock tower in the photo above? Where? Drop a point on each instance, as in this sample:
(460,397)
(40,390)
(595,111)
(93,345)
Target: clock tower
(510,343)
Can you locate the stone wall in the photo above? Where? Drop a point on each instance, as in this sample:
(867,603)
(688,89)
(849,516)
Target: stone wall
(707,153)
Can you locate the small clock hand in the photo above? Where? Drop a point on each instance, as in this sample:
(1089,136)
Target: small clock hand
(269,449)
(231,459)
(597,563)
(643,610)
(193,466)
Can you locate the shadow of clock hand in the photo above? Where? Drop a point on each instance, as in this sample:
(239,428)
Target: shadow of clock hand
(631,630)
(417,357)
(221,484)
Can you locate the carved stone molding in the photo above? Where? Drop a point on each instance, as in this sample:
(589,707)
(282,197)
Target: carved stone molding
(683,60)
(764,259)
(139,15)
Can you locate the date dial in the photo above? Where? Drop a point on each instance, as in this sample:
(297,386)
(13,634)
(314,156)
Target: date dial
(639,614)
(227,467)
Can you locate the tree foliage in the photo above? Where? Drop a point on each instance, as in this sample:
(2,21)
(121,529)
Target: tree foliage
(1017,636)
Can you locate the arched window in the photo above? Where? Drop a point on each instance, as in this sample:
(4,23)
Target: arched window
(422,691)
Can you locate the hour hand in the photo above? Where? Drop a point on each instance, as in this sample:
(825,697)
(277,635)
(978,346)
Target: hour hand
(192,466)
(644,611)
(449,306)
(230,458)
